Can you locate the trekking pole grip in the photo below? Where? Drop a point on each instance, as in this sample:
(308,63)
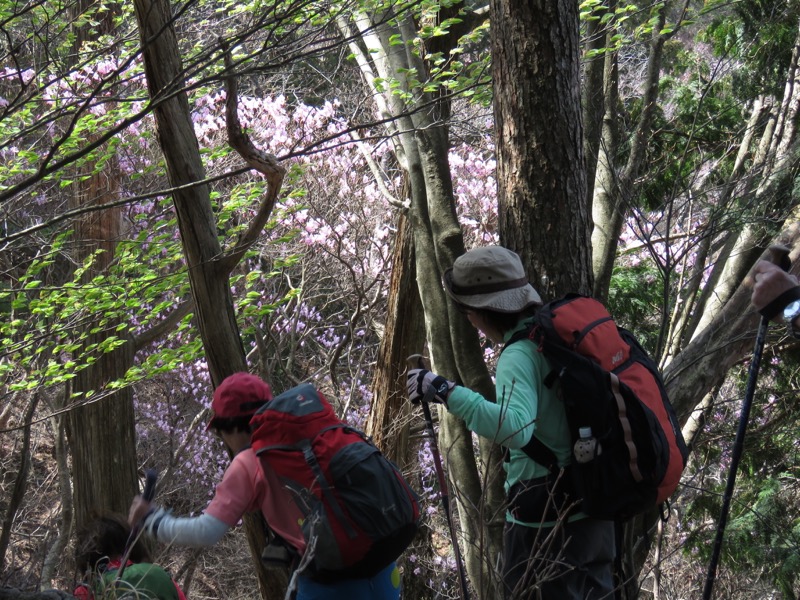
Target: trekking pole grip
(150,477)
(417,361)
(148,493)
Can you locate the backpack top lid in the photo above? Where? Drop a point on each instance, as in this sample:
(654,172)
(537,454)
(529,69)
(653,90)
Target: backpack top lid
(299,413)
(239,395)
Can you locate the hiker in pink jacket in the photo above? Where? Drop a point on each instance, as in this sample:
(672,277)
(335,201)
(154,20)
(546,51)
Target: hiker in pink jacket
(247,488)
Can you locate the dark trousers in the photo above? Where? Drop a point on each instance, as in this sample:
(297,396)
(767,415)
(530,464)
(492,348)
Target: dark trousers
(573,561)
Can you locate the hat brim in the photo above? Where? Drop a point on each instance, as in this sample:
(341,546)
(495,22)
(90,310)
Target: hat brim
(506,301)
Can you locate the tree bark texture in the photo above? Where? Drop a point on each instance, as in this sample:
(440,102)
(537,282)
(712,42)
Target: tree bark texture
(102,438)
(101,434)
(544,214)
(210,288)
(421,146)
(614,192)
(388,420)
(209,283)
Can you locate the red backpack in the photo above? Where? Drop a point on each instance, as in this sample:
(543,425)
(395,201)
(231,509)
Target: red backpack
(360,514)
(611,386)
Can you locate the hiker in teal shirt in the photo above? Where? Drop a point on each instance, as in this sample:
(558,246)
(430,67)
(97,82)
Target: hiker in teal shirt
(489,284)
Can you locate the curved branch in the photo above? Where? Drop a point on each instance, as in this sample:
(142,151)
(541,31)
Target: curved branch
(264,163)
(156,331)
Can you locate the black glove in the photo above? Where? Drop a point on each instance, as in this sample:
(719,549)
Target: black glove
(153,518)
(420,381)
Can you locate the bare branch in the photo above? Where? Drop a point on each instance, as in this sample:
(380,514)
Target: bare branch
(264,163)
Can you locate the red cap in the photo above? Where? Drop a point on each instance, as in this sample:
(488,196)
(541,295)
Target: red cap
(239,395)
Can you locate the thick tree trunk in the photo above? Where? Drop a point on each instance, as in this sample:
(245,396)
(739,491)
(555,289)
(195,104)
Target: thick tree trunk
(102,439)
(101,433)
(100,430)
(209,282)
(543,210)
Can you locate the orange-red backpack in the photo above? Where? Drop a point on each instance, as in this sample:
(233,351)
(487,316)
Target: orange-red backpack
(609,384)
(360,513)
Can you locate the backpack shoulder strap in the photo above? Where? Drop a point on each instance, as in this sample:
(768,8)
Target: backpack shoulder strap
(539,452)
(536,450)
(522,334)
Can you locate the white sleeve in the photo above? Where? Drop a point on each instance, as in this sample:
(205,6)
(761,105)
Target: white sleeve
(203,530)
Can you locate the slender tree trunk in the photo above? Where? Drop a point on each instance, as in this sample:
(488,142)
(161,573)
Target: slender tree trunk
(607,213)
(594,93)
(738,183)
(775,161)
(20,481)
(613,192)
(56,552)
(422,149)
(209,281)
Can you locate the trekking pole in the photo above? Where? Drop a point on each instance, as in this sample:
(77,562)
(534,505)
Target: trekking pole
(149,492)
(779,256)
(418,361)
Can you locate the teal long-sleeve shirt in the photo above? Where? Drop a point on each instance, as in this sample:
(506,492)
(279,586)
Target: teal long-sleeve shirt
(524,406)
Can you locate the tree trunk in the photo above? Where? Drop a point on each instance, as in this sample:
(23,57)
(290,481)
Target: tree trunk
(612,196)
(100,429)
(607,211)
(14,502)
(55,553)
(387,422)
(102,439)
(543,210)
(421,146)
(707,305)
(594,91)
(774,161)
(209,282)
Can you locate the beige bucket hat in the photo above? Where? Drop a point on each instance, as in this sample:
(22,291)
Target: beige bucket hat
(490,278)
